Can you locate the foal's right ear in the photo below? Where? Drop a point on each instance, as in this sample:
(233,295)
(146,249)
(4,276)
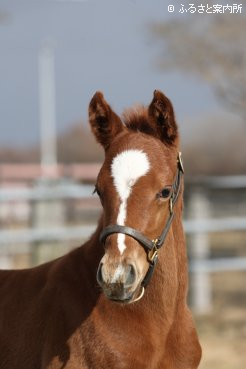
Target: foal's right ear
(105,124)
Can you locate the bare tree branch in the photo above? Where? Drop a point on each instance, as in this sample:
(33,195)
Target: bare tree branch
(212,47)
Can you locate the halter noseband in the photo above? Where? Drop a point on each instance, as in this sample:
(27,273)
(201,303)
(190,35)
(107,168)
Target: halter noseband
(151,246)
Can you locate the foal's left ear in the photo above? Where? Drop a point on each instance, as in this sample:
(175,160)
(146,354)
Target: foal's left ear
(162,118)
(105,124)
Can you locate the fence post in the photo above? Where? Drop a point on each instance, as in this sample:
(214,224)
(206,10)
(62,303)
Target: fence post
(201,293)
(47,214)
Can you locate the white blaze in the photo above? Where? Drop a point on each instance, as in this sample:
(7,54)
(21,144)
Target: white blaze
(127,167)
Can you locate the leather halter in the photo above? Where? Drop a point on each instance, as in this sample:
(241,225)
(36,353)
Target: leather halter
(151,246)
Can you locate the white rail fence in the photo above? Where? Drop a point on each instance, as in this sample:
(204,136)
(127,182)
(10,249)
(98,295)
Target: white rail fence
(52,199)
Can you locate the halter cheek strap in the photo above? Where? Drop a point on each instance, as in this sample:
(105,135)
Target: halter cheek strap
(151,246)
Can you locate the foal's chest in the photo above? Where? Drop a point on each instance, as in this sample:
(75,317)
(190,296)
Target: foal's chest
(119,346)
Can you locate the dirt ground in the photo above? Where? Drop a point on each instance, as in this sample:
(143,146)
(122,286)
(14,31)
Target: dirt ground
(222,333)
(223,339)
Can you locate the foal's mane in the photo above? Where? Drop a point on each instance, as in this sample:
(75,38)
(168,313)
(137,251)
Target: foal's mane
(136,119)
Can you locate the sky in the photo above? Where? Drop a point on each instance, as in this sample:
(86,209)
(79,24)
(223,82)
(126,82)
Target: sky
(98,45)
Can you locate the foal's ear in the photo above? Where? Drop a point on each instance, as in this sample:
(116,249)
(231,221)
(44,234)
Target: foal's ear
(105,124)
(162,118)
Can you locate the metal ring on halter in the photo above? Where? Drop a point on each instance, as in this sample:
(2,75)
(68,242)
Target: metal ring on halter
(139,297)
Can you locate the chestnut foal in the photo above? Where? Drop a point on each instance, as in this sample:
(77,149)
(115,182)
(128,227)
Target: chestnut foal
(55,315)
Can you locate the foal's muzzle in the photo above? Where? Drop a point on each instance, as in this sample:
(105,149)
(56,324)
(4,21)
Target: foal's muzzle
(117,282)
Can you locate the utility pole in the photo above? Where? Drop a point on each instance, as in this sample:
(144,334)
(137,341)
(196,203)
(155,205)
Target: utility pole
(47,110)
(47,213)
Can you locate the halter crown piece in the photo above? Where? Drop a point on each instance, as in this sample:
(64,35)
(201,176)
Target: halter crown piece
(151,246)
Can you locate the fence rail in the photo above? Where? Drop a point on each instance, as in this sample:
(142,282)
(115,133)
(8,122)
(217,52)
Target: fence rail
(201,265)
(218,265)
(84,231)
(31,235)
(9,239)
(62,191)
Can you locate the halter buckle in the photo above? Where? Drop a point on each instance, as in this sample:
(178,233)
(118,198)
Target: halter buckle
(171,205)
(180,162)
(153,253)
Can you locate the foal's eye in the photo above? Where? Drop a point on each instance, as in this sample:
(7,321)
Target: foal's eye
(164,193)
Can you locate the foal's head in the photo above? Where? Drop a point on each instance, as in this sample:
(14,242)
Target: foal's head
(134,186)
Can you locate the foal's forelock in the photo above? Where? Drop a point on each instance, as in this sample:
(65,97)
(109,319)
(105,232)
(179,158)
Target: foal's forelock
(127,167)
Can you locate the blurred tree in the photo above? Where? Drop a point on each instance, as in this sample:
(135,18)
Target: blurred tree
(211,46)
(78,144)
(3,16)
(75,145)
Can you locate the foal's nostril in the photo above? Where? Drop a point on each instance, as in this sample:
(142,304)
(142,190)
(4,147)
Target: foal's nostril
(131,275)
(99,274)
